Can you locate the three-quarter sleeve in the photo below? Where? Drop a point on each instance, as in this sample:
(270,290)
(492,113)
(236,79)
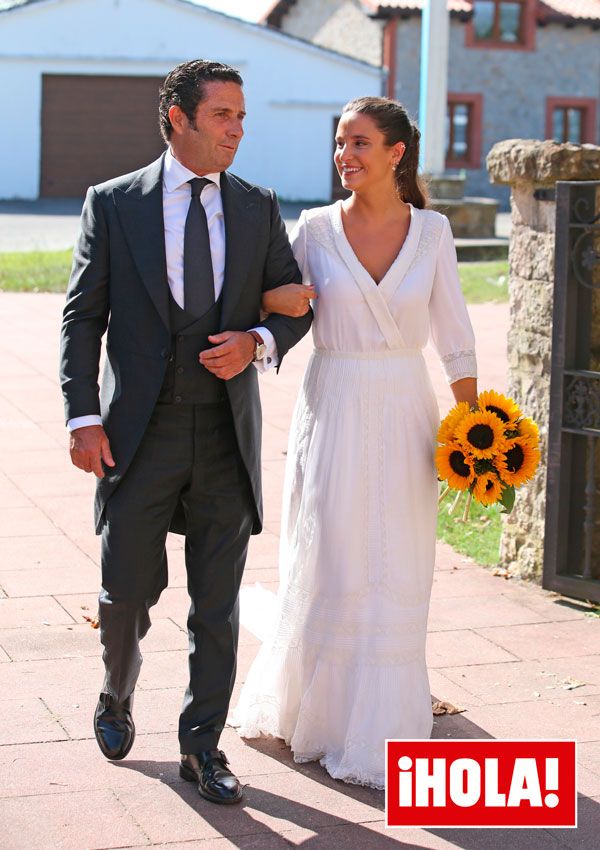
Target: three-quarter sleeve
(451,331)
(298,243)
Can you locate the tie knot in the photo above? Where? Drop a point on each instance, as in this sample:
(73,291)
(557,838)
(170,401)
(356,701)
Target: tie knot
(198,184)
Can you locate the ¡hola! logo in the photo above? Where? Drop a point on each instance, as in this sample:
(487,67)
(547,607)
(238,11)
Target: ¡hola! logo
(480,782)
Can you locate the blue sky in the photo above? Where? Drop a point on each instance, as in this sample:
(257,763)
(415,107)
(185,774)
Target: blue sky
(249,9)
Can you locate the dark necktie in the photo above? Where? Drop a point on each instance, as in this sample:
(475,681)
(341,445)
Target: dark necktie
(198,278)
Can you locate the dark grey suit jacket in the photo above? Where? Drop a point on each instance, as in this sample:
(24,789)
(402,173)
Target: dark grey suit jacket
(119,285)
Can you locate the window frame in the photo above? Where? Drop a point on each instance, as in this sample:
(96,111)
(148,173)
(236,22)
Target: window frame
(588,106)
(474,129)
(527,41)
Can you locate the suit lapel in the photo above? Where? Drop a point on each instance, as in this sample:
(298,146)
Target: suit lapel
(140,210)
(241,213)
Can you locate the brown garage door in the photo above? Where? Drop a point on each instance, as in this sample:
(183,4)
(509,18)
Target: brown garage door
(95,128)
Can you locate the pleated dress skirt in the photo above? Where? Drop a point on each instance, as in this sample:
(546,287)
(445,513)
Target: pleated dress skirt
(343,666)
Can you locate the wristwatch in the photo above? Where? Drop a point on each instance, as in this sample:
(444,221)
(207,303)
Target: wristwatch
(260,349)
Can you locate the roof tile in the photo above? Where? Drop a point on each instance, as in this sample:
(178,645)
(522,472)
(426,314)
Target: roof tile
(582,10)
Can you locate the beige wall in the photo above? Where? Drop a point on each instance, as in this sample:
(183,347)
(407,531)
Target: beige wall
(338,25)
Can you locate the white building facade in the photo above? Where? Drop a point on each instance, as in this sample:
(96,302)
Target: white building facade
(79,82)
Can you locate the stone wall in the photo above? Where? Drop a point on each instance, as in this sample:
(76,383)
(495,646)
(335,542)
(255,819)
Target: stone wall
(338,25)
(514,83)
(525,166)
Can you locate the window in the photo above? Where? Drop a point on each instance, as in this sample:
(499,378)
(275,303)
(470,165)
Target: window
(497,20)
(567,124)
(502,23)
(457,130)
(571,119)
(463,131)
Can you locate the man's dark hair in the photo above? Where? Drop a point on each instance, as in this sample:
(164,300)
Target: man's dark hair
(184,87)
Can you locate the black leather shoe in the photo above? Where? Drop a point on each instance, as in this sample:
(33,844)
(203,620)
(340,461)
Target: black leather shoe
(114,727)
(215,782)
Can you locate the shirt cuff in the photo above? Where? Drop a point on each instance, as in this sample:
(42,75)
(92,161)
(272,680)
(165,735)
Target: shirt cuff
(460,364)
(84,421)
(271,358)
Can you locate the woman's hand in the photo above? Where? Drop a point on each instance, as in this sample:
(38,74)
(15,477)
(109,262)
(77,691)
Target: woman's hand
(292,299)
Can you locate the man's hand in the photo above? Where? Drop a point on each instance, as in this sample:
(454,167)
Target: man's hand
(89,446)
(291,299)
(233,351)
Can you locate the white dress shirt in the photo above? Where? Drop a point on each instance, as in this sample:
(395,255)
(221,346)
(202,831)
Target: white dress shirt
(176,201)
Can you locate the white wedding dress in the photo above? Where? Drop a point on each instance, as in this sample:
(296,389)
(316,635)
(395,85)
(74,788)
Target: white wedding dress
(344,666)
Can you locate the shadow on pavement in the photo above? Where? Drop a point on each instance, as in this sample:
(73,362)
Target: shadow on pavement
(243,829)
(239,825)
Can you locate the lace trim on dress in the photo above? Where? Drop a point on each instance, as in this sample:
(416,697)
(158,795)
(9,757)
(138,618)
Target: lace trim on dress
(319,226)
(460,364)
(457,355)
(430,237)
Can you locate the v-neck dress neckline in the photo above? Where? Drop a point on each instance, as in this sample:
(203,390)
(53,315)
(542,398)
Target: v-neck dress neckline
(378,295)
(400,265)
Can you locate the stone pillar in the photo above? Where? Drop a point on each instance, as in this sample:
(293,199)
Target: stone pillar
(527,166)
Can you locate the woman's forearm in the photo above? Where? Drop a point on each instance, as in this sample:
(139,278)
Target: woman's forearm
(465,389)
(292,299)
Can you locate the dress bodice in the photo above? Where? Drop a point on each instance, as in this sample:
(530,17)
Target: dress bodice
(418,298)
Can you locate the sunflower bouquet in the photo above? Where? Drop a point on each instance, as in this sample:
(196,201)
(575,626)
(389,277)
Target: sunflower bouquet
(487,451)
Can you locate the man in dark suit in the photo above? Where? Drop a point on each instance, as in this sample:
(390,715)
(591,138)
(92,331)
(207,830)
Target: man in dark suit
(171,262)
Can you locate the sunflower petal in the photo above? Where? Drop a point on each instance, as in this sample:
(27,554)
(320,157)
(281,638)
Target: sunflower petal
(481,434)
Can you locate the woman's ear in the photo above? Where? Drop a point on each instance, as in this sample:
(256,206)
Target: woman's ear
(399,150)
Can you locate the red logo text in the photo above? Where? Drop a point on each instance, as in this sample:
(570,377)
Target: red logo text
(481,782)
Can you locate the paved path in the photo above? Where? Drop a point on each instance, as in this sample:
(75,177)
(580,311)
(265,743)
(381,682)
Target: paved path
(498,649)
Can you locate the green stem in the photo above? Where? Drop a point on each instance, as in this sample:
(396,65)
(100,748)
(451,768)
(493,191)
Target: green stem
(454,504)
(465,515)
(444,494)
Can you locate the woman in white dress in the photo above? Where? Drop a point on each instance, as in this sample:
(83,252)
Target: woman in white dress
(344,667)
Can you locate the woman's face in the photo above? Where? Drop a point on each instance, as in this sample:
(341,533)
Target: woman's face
(362,157)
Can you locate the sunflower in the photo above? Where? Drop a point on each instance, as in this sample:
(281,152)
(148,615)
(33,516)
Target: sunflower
(528,430)
(505,408)
(481,434)
(518,461)
(449,423)
(487,489)
(454,466)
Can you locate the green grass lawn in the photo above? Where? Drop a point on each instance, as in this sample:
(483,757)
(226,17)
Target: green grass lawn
(479,537)
(483,282)
(35,271)
(48,271)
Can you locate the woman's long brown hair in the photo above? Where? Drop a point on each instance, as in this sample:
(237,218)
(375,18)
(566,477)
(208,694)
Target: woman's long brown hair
(393,121)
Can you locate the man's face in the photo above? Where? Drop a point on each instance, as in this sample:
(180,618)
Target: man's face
(210,142)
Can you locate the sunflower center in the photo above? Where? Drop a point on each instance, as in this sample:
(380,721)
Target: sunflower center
(457,462)
(515,458)
(481,436)
(489,485)
(501,414)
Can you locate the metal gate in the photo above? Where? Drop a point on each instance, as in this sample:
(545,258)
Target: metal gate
(572,534)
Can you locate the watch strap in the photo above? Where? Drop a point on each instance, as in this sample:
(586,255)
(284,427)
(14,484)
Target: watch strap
(259,342)
(257,337)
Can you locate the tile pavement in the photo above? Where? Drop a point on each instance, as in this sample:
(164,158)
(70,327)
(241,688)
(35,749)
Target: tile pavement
(500,650)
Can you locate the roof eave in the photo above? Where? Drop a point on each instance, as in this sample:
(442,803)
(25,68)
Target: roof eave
(276,14)
(544,15)
(388,12)
(544,18)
